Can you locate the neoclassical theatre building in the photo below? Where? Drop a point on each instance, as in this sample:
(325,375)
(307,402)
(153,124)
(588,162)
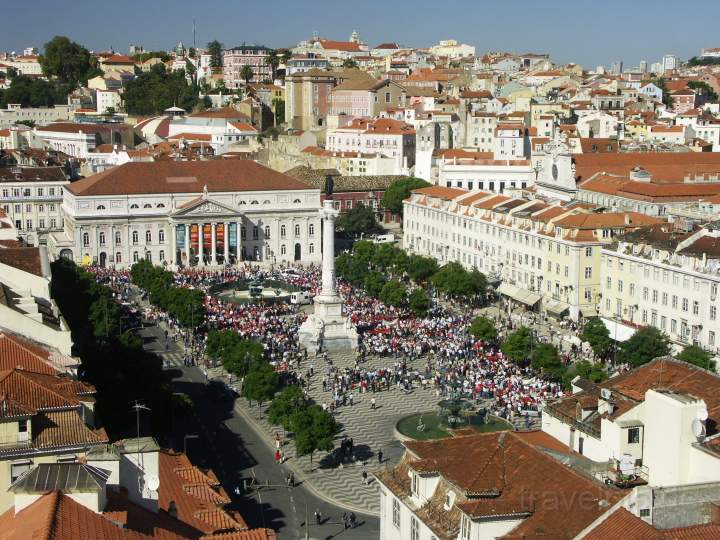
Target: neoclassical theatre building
(177,213)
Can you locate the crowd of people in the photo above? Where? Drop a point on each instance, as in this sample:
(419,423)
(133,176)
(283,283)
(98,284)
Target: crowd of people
(434,352)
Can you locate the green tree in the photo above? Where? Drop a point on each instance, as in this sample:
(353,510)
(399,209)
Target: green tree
(260,383)
(237,354)
(246,74)
(215,50)
(68,61)
(393,294)
(285,404)
(152,92)
(374,283)
(421,268)
(483,329)
(419,302)
(645,344)
(34,92)
(105,316)
(273,60)
(592,372)
(279,105)
(357,220)
(384,256)
(692,354)
(454,280)
(364,251)
(349,63)
(314,429)
(399,191)
(518,345)
(546,360)
(706,88)
(598,336)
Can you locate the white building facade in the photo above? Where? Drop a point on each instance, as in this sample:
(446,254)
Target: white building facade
(242,211)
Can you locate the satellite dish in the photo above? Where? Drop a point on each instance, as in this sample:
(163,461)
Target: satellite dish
(698,429)
(702,415)
(152,482)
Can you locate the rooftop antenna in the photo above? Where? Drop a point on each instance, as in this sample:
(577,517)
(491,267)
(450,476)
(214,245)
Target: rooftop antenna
(137,406)
(194,44)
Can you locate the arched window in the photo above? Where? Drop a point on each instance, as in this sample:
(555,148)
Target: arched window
(161,255)
(283,231)
(118,237)
(134,206)
(100,207)
(296,201)
(86,239)
(311,248)
(266,201)
(148,237)
(118,257)
(253,202)
(136,258)
(242,202)
(135,237)
(267,231)
(161,205)
(297,230)
(161,236)
(283,249)
(147,205)
(311,229)
(101,238)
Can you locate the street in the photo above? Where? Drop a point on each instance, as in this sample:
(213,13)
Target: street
(231,447)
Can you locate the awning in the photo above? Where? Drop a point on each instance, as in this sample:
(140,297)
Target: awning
(521,295)
(555,306)
(618,331)
(588,312)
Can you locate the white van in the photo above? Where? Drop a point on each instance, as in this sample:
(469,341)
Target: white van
(384,239)
(300,297)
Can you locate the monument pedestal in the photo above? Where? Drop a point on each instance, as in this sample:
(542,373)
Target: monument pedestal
(327,327)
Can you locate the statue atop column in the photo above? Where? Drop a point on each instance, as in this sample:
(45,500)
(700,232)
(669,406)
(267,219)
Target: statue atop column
(338,332)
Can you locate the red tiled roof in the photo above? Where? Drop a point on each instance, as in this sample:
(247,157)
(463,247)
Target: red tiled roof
(17,352)
(26,259)
(69,127)
(184,177)
(55,516)
(441,192)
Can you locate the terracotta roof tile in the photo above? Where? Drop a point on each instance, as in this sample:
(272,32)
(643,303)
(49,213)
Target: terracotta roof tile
(185,177)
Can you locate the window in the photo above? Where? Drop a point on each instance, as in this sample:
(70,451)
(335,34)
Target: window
(296,201)
(23,432)
(696,307)
(283,249)
(135,237)
(644,512)
(161,255)
(243,233)
(148,237)
(588,251)
(161,236)
(711,338)
(52,223)
(465,527)
(414,529)
(255,233)
(396,513)
(267,231)
(147,205)
(588,272)
(85,239)
(41,224)
(136,258)
(101,238)
(17,469)
(713,313)
(118,257)
(311,229)
(297,230)
(134,206)
(283,231)
(415,487)
(674,301)
(28,224)
(100,207)
(311,248)
(161,205)
(685,304)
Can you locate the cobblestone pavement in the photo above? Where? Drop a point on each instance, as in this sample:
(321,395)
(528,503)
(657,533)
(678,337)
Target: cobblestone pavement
(371,430)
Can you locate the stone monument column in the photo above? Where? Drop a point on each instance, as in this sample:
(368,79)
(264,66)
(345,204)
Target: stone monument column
(327,327)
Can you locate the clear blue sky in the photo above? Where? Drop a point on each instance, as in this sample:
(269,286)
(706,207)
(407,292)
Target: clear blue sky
(584,31)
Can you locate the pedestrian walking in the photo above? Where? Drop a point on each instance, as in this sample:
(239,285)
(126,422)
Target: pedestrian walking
(353,520)
(346,520)
(278,456)
(380,455)
(372,404)
(364,477)
(318,517)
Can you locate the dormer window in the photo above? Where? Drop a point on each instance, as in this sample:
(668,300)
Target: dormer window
(415,488)
(100,207)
